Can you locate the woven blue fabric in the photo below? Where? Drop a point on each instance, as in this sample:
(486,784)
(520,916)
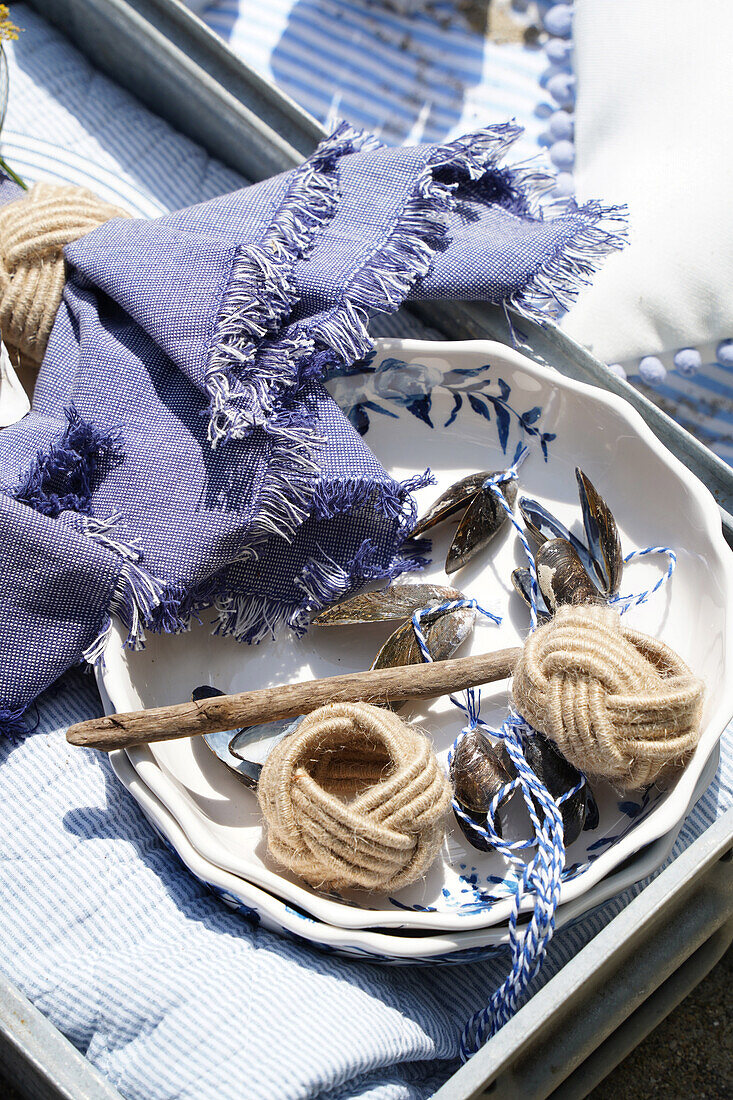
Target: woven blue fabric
(169,993)
(181,453)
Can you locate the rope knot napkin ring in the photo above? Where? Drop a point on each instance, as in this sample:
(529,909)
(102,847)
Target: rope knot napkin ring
(34,231)
(617,703)
(391,827)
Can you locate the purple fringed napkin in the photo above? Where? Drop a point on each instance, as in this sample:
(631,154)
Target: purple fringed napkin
(181,453)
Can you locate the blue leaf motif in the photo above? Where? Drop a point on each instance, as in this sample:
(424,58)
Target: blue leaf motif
(479,406)
(631,809)
(503,421)
(470,372)
(420,407)
(374,407)
(517,451)
(545,438)
(531,415)
(458,401)
(504,388)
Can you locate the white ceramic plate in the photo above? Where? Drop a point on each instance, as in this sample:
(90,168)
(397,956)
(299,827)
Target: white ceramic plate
(459,407)
(450,947)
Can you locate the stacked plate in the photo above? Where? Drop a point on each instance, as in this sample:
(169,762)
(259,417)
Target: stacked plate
(457,408)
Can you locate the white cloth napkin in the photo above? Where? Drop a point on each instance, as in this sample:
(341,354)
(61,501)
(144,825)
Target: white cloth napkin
(652,124)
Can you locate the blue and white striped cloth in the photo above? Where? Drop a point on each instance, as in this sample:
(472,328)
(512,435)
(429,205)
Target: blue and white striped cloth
(68,123)
(428,76)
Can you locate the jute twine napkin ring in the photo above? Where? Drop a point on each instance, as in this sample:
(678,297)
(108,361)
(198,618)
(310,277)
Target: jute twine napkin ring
(618,704)
(33,233)
(354,797)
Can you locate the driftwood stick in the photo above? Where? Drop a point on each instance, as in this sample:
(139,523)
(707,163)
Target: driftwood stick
(249,708)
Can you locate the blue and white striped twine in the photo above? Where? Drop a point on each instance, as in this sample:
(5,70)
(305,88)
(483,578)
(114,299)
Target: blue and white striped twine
(542,875)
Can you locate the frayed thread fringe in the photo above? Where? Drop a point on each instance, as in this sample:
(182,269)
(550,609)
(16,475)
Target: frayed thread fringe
(557,282)
(392,499)
(12,724)
(291,476)
(384,281)
(247,376)
(143,602)
(76,462)
(250,618)
(104,532)
(135,597)
(260,294)
(251,368)
(253,617)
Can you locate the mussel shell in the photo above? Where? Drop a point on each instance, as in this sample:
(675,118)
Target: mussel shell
(481,522)
(444,632)
(602,535)
(543,526)
(395,602)
(554,771)
(478,772)
(561,577)
(457,497)
(205,691)
(253,744)
(522,581)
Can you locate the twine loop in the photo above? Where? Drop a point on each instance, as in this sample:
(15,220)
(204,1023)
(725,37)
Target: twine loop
(33,233)
(354,797)
(617,703)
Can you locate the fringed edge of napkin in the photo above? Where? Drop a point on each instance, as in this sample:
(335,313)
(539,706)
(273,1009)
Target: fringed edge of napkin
(556,283)
(75,461)
(247,374)
(12,724)
(267,376)
(257,376)
(143,602)
(252,370)
(250,618)
(83,455)
(383,282)
(259,294)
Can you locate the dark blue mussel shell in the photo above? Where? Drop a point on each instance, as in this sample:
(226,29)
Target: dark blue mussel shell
(522,581)
(543,526)
(602,536)
(601,555)
(478,772)
(559,776)
(246,770)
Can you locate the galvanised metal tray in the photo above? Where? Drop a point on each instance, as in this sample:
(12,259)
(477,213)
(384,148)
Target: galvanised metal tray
(599,1006)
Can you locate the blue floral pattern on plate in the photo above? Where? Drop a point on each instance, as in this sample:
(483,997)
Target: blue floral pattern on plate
(411,386)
